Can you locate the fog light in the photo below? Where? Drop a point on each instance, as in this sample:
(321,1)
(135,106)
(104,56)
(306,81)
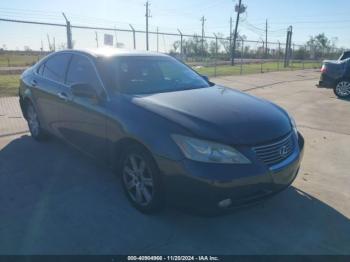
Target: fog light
(225,203)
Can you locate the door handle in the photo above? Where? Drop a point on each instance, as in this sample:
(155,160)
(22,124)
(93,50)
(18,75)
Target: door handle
(63,96)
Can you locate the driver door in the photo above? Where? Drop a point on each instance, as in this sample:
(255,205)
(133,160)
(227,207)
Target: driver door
(83,118)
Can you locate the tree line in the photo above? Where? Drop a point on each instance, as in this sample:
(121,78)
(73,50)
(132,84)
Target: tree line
(317,47)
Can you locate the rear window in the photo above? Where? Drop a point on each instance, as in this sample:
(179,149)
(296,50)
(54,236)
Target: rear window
(345,55)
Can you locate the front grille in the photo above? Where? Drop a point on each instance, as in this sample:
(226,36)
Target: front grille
(275,153)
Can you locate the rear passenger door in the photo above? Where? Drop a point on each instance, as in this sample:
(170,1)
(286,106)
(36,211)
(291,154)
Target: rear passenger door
(47,85)
(84,121)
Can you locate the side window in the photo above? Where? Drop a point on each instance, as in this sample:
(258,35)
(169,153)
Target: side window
(82,71)
(56,66)
(169,71)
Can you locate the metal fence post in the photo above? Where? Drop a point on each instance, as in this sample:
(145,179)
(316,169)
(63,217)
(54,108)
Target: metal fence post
(216,53)
(69,33)
(242,50)
(262,61)
(181,39)
(292,56)
(157,39)
(133,34)
(279,54)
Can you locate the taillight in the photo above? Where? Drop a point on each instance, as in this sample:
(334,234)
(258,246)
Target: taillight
(324,69)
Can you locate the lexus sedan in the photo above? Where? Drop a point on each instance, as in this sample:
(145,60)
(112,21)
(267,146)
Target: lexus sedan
(171,134)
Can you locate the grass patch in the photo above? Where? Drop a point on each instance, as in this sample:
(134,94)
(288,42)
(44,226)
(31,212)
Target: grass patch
(18,60)
(9,85)
(255,68)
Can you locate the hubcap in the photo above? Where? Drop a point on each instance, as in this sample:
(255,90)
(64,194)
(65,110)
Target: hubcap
(343,88)
(33,122)
(138,180)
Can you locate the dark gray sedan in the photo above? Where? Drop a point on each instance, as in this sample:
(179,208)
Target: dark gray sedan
(170,133)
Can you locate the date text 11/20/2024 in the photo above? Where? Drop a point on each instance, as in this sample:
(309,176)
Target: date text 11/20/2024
(173,258)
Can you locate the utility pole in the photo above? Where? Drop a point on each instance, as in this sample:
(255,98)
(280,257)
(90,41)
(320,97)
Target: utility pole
(96,38)
(230,37)
(203,22)
(266,51)
(239,9)
(147,16)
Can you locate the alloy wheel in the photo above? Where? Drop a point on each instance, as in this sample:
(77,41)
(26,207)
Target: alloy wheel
(138,180)
(343,89)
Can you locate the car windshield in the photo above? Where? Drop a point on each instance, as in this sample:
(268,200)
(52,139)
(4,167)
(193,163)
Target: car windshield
(149,74)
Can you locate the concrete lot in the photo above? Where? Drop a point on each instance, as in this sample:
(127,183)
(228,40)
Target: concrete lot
(53,200)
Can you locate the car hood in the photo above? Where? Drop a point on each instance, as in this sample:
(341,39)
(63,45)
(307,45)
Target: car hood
(220,114)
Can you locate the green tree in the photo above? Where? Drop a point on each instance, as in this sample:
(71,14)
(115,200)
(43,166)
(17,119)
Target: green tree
(319,45)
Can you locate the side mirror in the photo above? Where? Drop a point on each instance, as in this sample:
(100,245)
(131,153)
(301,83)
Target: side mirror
(206,78)
(84,90)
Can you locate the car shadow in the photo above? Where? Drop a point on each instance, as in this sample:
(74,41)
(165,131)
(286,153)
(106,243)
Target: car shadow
(54,200)
(344,99)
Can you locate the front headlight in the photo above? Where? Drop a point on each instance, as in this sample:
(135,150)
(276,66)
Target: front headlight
(209,152)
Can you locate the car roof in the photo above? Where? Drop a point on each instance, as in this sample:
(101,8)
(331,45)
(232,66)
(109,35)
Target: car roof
(113,52)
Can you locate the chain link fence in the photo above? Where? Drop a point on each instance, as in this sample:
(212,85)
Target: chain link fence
(26,42)
(208,54)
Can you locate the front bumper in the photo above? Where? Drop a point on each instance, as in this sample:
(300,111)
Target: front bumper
(202,185)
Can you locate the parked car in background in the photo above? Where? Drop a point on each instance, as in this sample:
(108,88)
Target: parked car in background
(170,133)
(336,75)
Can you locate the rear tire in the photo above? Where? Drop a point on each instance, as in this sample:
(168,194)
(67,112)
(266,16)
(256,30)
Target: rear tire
(342,89)
(141,180)
(34,123)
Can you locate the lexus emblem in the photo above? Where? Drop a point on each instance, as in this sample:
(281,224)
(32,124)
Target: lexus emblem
(283,151)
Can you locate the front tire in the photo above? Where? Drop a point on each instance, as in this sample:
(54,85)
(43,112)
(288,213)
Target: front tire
(33,123)
(342,89)
(141,180)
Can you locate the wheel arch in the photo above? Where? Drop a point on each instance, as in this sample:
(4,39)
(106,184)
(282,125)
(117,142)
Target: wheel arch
(120,146)
(24,102)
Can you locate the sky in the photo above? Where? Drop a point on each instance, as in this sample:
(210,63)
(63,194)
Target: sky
(308,17)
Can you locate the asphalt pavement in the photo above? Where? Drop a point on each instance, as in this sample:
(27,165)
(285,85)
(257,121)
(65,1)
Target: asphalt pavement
(54,200)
